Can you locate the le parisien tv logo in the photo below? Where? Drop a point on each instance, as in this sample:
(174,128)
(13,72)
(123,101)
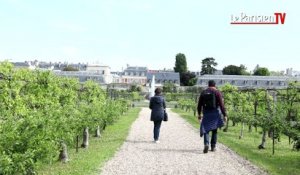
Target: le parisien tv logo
(245,19)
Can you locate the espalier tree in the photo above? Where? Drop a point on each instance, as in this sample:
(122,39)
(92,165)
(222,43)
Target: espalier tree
(291,100)
(187,104)
(274,120)
(243,110)
(41,115)
(276,112)
(229,92)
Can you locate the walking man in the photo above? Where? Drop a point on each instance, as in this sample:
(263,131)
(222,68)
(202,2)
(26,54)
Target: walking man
(210,103)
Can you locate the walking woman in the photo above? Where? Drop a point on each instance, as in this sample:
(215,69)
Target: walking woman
(157,105)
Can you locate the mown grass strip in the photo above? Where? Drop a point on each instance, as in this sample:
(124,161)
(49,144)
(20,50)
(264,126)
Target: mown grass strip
(89,161)
(284,162)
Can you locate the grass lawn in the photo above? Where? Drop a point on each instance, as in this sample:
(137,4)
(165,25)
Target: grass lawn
(284,162)
(89,161)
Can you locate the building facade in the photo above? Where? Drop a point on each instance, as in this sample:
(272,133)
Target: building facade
(272,82)
(98,73)
(133,75)
(162,77)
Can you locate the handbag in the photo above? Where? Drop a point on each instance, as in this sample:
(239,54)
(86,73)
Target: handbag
(165,116)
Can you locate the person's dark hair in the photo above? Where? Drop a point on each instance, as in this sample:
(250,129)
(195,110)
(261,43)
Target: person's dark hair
(211,83)
(157,91)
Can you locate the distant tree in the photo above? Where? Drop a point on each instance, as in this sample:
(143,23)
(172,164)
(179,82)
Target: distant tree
(262,71)
(169,87)
(188,79)
(232,70)
(70,68)
(193,80)
(208,66)
(244,70)
(135,88)
(180,63)
(194,89)
(235,70)
(256,67)
(135,96)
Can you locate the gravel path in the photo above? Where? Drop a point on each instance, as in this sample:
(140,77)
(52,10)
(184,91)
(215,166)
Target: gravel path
(180,151)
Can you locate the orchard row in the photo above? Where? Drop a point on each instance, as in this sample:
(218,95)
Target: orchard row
(275,111)
(42,114)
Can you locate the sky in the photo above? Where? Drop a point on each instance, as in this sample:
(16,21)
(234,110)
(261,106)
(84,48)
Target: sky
(149,33)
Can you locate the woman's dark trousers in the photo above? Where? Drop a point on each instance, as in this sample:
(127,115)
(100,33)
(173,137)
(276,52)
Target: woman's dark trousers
(156,129)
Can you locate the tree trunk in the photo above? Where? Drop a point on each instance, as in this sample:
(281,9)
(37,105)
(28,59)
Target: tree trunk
(263,140)
(104,126)
(77,143)
(63,155)
(85,142)
(226,127)
(255,113)
(250,128)
(97,134)
(270,133)
(242,131)
(273,142)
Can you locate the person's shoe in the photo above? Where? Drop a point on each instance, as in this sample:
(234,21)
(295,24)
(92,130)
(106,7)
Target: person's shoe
(213,148)
(157,141)
(205,149)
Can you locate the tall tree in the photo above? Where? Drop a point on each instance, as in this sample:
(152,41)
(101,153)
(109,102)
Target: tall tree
(256,67)
(235,70)
(232,70)
(244,70)
(188,79)
(70,68)
(208,66)
(180,63)
(262,71)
